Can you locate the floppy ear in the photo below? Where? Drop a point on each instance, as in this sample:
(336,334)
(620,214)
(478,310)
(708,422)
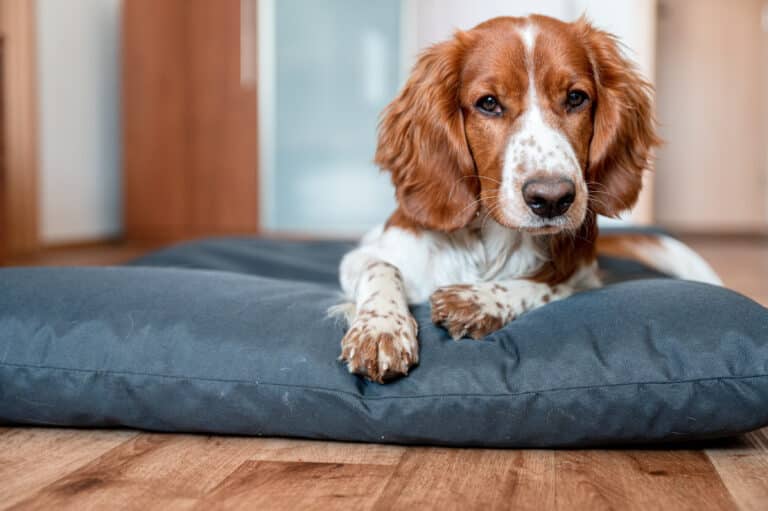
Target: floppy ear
(422,143)
(624,126)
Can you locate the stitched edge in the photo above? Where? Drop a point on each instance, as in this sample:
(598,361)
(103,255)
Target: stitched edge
(379,398)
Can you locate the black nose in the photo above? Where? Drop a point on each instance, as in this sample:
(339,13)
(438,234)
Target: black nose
(549,197)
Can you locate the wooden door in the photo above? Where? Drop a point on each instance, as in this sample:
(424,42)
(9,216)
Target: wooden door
(18,135)
(189,114)
(3,192)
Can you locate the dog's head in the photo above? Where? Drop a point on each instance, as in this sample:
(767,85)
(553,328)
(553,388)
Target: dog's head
(534,120)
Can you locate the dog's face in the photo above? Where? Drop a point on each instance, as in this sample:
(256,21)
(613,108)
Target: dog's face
(534,120)
(526,93)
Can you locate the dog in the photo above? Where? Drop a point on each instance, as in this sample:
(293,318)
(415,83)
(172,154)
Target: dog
(504,145)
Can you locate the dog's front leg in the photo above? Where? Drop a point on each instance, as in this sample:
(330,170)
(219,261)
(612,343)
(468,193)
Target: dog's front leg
(381,342)
(479,309)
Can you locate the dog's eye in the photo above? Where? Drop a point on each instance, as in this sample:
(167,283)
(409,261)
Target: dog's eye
(489,105)
(576,98)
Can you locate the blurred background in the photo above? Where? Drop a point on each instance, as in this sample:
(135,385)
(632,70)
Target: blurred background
(149,121)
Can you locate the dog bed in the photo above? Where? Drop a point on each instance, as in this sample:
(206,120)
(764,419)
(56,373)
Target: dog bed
(231,336)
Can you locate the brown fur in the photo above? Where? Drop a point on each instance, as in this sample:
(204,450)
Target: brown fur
(422,142)
(402,221)
(461,317)
(568,252)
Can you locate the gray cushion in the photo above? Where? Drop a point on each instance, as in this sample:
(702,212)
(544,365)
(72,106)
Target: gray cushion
(230,336)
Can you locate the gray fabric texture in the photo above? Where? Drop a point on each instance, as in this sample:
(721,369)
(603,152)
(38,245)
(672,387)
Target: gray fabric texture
(230,336)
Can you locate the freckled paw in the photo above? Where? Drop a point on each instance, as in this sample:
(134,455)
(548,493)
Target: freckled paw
(380,352)
(465,312)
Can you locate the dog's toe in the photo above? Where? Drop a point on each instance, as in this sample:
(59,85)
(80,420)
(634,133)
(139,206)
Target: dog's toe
(380,348)
(465,312)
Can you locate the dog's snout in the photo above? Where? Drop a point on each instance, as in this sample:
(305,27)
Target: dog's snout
(549,197)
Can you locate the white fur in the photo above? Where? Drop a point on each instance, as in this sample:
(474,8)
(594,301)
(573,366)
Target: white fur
(675,258)
(483,252)
(482,266)
(381,317)
(528,35)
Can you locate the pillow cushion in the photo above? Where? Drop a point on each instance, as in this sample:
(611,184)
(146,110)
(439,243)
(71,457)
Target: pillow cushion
(231,336)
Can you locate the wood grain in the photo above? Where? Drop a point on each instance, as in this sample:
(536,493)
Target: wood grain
(639,479)
(439,478)
(31,458)
(288,486)
(193,466)
(187,467)
(280,449)
(743,468)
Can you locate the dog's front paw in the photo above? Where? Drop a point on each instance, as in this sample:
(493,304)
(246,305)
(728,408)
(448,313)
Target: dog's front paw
(381,346)
(466,310)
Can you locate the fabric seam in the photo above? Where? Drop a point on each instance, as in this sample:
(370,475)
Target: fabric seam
(377,398)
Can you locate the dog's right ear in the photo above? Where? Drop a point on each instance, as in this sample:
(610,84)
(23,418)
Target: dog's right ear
(423,144)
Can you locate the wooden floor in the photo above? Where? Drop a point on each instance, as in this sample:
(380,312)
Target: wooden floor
(42,468)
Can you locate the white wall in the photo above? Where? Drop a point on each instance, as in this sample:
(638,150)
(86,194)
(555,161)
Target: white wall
(78,63)
(634,21)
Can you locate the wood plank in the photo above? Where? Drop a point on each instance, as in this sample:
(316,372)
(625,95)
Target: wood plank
(743,468)
(639,479)
(164,471)
(441,478)
(150,471)
(288,486)
(313,451)
(31,458)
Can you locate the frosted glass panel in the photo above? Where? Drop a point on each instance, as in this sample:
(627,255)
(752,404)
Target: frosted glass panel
(336,66)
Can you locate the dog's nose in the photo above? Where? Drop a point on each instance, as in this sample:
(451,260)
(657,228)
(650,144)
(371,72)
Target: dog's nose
(549,197)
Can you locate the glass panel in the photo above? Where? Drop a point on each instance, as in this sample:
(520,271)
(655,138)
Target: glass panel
(336,66)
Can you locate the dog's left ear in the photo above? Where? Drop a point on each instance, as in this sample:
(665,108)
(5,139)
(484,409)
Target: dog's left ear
(624,126)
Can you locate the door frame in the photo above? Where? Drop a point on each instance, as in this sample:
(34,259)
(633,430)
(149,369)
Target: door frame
(19,196)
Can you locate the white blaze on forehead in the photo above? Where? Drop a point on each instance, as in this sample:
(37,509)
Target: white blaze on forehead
(529,39)
(534,147)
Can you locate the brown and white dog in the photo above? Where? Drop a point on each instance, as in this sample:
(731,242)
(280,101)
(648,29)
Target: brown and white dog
(504,145)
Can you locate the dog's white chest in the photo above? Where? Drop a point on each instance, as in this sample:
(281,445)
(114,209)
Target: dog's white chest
(430,260)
